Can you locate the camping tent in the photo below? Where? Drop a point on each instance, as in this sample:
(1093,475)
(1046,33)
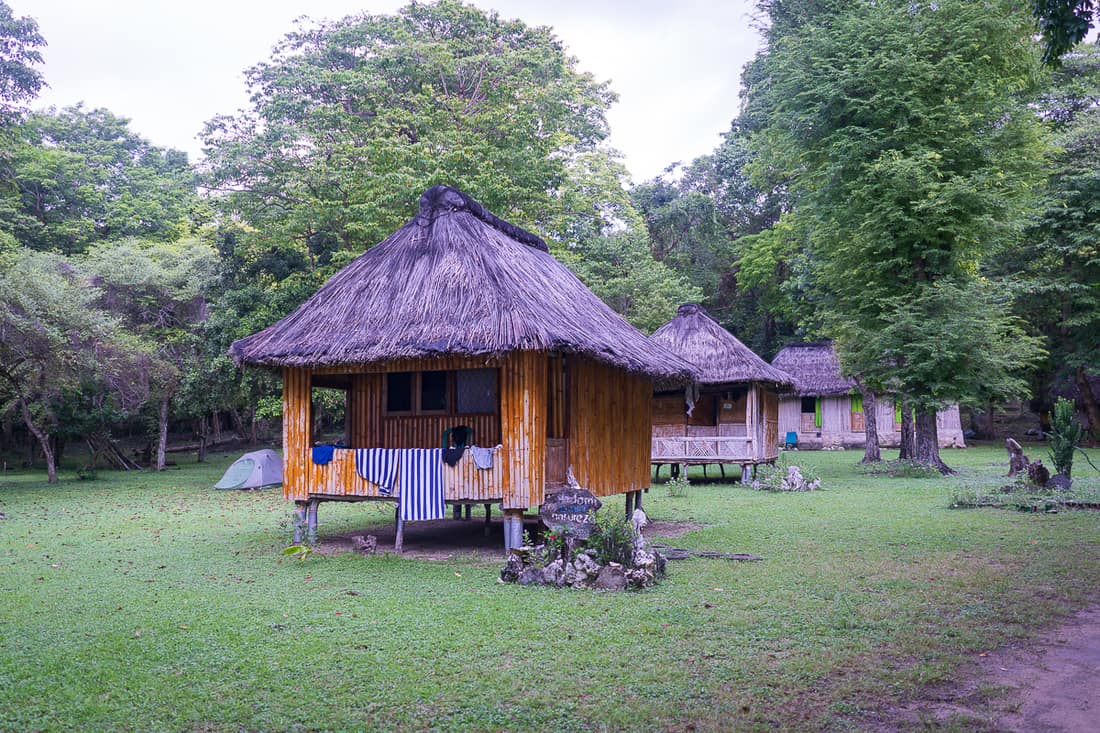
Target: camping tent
(260,469)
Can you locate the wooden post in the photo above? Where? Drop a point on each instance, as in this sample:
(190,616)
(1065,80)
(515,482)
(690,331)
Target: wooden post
(469,507)
(629,504)
(456,511)
(488,518)
(744,473)
(399,534)
(722,469)
(638,499)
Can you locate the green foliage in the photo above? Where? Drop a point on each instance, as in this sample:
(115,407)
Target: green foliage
(351,120)
(80,176)
(20,82)
(1063,24)
(1064,436)
(677,486)
(612,538)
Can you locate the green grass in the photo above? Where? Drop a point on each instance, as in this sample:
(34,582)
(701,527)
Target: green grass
(152,602)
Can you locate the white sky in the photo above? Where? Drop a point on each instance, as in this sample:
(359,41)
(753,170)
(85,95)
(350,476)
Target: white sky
(170,66)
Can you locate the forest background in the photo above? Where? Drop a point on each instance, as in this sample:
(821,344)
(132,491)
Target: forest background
(918,181)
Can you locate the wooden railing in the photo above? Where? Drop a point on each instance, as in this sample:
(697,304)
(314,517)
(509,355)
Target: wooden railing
(674,449)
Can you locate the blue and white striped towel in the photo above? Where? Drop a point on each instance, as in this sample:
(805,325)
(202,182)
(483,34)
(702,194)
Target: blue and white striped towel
(421,484)
(379,466)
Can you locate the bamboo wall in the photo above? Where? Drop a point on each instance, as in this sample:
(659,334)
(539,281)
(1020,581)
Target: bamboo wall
(752,413)
(836,424)
(611,416)
(605,417)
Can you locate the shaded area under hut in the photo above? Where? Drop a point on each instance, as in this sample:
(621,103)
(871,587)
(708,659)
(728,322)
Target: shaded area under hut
(461,338)
(731,416)
(825,409)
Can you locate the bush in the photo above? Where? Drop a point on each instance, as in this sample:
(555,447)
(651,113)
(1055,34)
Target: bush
(612,538)
(1065,433)
(783,477)
(678,486)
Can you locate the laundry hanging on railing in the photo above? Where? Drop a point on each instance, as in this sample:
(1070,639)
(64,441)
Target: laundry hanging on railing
(379,466)
(421,484)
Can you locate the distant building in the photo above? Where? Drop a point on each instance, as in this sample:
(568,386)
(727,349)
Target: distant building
(825,409)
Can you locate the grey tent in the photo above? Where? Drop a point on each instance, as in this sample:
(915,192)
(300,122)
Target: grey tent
(260,469)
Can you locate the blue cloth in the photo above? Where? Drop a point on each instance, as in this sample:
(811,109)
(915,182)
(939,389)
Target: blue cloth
(421,484)
(322,454)
(379,466)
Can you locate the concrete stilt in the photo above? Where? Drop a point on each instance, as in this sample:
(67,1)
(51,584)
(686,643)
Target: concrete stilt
(299,519)
(488,518)
(311,521)
(629,504)
(638,499)
(745,473)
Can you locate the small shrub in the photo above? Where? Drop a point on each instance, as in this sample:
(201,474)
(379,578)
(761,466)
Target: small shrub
(970,497)
(612,538)
(784,477)
(1065,433)
(678,487)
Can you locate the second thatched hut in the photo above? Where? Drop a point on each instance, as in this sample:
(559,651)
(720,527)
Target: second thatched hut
(731,416)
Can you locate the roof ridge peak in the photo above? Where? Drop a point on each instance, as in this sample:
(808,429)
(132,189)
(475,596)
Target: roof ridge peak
(439,200)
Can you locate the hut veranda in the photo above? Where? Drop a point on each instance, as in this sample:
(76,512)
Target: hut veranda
(477,370)
(731,414)
(825,408)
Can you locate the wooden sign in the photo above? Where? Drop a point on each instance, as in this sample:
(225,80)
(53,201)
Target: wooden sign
(574,508)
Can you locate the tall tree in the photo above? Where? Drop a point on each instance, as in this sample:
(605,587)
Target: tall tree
(53,342)
(902,130)
(160,291)
(1057,266)
(79,176)
(1063,24)
(352,119)
(20,81)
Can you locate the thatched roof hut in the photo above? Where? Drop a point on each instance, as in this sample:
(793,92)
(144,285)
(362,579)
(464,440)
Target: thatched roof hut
(455,280)
(733,415)
(460,320)
(814,368)
(717,356)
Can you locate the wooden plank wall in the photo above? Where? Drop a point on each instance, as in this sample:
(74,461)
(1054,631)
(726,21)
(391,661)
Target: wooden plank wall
(771,424)
(610,427)
(296,433)
(523,403)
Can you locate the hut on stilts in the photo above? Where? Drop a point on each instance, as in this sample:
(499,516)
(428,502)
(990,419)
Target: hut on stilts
(731,415)
(824,409)
(461,329)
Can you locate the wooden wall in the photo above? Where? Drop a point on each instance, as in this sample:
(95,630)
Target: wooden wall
(605,416)
(610,427)
(523,403)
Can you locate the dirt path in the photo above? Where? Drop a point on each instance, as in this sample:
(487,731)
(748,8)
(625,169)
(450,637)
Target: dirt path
(1049,686)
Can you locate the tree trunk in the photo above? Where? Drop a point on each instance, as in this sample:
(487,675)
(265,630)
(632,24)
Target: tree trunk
(871,452)
(908,447)
(238,424)
(162,430)
(216,423)
(202,440)
(1088,399)
(928,441)
(43,440)
(58,444)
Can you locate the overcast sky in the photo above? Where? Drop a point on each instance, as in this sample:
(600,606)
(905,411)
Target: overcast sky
(170,66)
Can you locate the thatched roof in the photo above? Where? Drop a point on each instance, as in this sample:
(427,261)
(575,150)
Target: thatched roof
(717,355)
(455,280)
(815,369)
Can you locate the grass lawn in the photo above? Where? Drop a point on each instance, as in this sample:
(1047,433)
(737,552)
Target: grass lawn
(152,602)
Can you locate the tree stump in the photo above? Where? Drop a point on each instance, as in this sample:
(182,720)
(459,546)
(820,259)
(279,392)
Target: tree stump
(1017,461)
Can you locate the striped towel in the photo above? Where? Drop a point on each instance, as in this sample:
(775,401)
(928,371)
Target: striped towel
(421,484)
(379,466)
